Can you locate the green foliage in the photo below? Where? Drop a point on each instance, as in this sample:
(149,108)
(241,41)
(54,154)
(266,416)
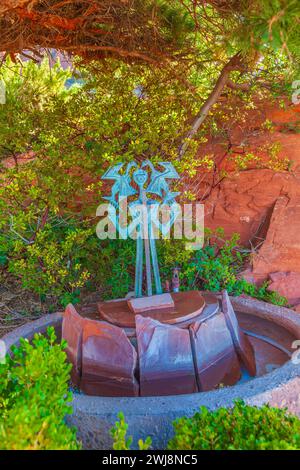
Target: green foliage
(34,397)
(176,20)
(242,427)
(129,112)
(120,439)
(53,263)
(48,206)
(114,112)
(63,256)
(271,22)
(118,259)
(32,94)
(58,262)
(253,26)
(216,266)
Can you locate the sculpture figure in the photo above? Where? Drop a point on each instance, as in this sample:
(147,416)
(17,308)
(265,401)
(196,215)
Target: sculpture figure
(146,208)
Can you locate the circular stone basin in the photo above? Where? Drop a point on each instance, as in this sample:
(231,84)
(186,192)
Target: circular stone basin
(271,343)
(271,330)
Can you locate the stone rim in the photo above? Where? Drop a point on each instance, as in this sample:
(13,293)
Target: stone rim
(280,388)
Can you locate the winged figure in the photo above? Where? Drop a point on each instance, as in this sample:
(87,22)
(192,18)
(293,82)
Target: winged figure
(158,184)
(122,185)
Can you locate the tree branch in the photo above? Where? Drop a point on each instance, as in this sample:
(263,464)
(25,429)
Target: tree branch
(238,86)
(235,63)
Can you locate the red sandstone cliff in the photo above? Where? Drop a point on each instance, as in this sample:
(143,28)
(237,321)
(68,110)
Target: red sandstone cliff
(261,204)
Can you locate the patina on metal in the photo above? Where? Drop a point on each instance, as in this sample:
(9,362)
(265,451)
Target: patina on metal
(141,186)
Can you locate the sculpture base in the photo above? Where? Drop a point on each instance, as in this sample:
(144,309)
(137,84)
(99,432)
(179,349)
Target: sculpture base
(186,306)
(195,346)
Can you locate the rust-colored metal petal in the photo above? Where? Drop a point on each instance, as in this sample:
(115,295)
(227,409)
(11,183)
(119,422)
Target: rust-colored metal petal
(72,331)
(215,358)
(165,358)
(108,361)
(242,345)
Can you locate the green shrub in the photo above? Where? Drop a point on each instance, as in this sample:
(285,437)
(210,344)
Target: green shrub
(217,265)
(55,264)
(242,427)
(214,267)
(34,397)
(65,256)
(120,439)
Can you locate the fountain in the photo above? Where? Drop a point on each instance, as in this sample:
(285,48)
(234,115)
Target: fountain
(157,356)
(153,344)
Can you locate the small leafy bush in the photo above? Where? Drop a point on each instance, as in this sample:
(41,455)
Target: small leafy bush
(120,439)
(217,265)
(34,397)
(242,427)
(61,259)
(55,263)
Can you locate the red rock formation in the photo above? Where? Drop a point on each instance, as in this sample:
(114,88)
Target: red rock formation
(280,251)
(260,204)
(286,284)
(279,257)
